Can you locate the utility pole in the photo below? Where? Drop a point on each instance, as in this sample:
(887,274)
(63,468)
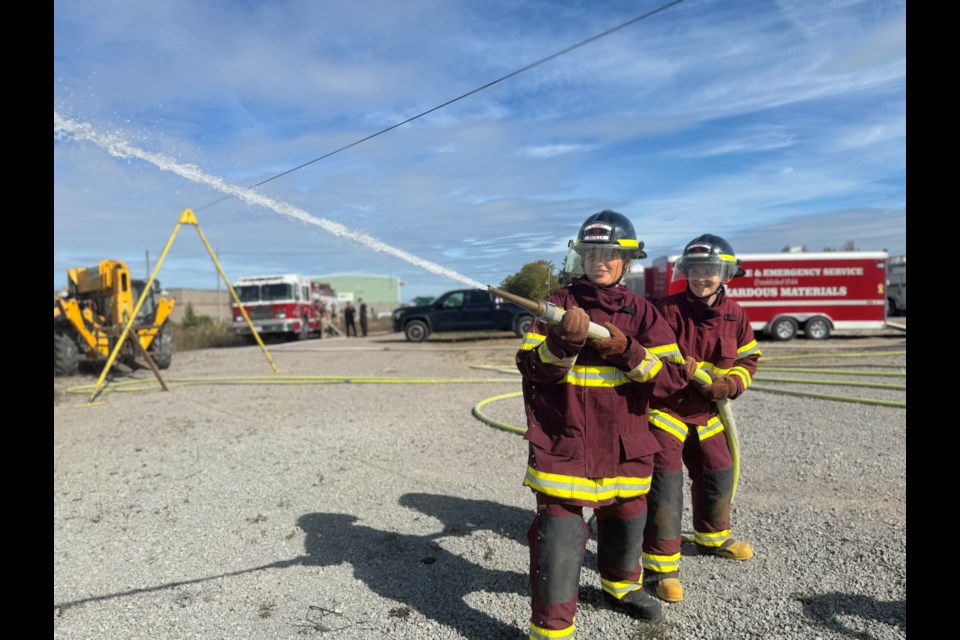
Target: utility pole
(219,304)
(147,252)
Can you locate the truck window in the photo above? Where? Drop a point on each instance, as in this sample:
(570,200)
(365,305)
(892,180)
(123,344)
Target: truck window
(478,297)
(453,301)
(273,292)
(248,292)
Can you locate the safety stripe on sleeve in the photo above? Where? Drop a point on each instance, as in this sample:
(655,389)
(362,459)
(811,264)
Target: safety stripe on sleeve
(661,564)
(668,423)
(531,340)
(648,368)
(743,374)
(669,352)
(749,349)
(548,357)
(597,491)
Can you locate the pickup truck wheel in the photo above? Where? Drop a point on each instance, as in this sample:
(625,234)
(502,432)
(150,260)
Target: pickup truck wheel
(416,331)
(783,329)
(523,325)
(817,329)
(66,355)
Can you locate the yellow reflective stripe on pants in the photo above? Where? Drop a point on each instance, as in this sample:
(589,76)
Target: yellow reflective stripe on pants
(538,633)
(661,564)
(711,538)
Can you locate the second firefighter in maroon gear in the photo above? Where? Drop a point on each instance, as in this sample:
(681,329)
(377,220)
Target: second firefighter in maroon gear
(713,333)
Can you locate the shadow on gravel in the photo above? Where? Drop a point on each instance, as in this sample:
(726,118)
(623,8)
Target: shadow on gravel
(829,609)
(416,570)
(412,569)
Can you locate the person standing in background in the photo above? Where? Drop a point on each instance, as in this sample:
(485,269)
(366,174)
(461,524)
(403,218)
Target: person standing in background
(348,314)
(363,317)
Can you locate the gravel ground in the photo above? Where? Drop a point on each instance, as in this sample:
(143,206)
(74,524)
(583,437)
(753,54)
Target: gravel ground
(232,507)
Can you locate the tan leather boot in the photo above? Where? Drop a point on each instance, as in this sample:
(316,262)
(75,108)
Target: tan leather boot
(731,549)
(670,590)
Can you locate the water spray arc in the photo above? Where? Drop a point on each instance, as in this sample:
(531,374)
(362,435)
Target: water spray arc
(119,148)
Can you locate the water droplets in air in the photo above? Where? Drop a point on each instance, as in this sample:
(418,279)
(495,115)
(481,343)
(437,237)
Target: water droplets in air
(64,128)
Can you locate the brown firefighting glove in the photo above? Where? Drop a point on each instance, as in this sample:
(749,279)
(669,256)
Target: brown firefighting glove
(573,326)
(721,388)
(613,346)
(690,366)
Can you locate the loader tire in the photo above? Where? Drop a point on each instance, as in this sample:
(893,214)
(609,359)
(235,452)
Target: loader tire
(161,349)
(66,355)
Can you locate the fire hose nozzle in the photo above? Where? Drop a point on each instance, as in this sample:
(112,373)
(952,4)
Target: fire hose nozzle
(548,312)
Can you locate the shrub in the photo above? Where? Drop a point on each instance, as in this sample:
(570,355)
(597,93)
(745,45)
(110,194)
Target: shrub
(201,332)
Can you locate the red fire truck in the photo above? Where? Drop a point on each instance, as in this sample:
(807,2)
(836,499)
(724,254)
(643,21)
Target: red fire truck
(288,305)
(788,293)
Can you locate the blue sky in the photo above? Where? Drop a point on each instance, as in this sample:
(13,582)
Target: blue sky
(768,123)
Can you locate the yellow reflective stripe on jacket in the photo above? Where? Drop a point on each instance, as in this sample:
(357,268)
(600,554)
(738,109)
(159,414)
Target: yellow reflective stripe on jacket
(713,427)
(539,633)
(620,588)
(595,376)
(648,368)
(531,340)
(743,374)
(549,357)
(711,538)
(572,487)
(749,349)
(661,564)
(669,352)
(668,423)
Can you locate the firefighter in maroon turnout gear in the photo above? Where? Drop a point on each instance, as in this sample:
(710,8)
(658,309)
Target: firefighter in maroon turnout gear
(589,438)
(714,334)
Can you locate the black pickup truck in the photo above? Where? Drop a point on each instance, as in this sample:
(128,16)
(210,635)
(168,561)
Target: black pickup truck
(462,310)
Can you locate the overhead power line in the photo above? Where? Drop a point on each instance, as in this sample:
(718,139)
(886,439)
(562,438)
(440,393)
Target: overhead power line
(465,95)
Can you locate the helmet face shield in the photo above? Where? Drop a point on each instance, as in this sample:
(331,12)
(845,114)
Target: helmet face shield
(705,257)
(690,268)
(600,253)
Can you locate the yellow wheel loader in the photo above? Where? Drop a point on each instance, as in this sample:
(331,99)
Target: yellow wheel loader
(90,314)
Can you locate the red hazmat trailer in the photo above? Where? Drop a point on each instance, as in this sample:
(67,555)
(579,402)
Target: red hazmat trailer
(786,294)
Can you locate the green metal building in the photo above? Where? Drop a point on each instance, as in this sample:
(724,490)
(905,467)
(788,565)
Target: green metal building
(381,293)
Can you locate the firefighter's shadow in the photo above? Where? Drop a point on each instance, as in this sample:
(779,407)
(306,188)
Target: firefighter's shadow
(831,609)
(418,570)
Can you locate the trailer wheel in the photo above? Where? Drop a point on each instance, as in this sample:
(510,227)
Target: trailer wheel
(523,325)
(891,307)
(66,355)
(416,331)
(817,328)
(784,328)
(161,349)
